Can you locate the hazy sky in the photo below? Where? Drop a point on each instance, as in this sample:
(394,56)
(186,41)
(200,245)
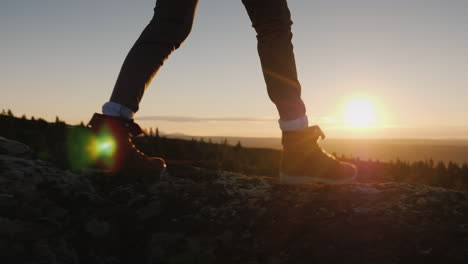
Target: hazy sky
(408,57)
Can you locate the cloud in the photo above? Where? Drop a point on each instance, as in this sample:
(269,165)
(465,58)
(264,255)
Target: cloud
(204,119)
(321,120)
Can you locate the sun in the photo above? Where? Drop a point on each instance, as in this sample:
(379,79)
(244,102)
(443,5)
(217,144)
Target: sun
(359,113)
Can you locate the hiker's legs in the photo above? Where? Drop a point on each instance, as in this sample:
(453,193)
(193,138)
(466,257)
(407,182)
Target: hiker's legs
(302,159)
(272,22)
(170,26)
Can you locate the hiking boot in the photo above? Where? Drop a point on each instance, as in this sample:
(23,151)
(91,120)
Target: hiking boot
(304,161)
(116,151)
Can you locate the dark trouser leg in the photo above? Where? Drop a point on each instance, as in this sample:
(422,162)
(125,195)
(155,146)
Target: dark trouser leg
(167,30)
(272,22)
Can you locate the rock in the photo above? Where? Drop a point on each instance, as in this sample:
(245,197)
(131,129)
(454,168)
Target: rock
(14,148)
(193,215)
(97,228)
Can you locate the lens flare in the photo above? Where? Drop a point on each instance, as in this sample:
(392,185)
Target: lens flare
(105,146)
(87,148)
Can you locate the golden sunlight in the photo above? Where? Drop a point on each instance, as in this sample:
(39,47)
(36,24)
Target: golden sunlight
(359,113)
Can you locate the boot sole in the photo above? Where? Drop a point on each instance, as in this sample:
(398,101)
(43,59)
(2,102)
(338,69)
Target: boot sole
(292,179)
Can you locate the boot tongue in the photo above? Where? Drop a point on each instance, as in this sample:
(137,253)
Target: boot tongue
(315,133)
(134,129)
(299,139)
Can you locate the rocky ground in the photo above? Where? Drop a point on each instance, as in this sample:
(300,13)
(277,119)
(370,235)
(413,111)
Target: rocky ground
(192,215)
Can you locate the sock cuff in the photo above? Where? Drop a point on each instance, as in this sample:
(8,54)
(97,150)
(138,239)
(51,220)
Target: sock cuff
(295,124)
(116,109)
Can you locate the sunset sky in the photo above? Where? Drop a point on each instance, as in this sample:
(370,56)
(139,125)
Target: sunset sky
(405,60)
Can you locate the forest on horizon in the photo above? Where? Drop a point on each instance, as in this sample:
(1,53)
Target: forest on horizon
(60,143)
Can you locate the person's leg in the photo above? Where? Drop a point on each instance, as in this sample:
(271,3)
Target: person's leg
(170,26)
(302,160)
(167,30)
(272,22)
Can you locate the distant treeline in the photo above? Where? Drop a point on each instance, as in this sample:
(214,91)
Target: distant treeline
(60,143)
